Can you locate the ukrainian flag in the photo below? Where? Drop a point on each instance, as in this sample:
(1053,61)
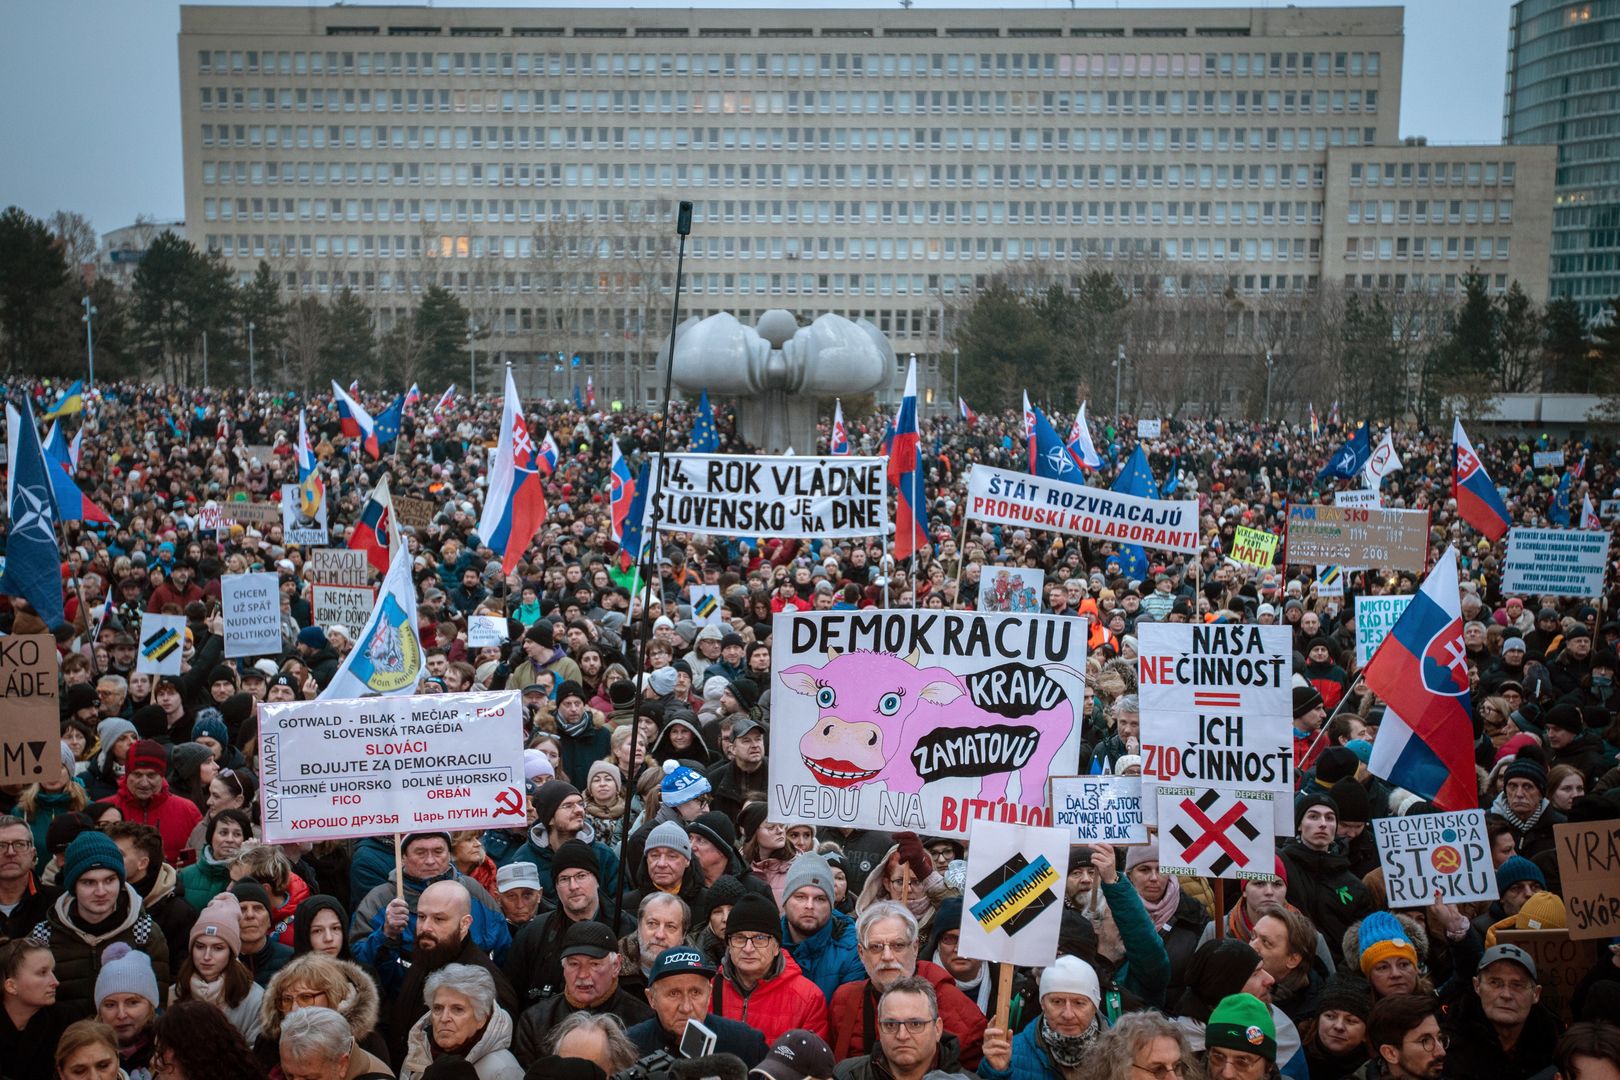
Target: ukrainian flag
(71,401)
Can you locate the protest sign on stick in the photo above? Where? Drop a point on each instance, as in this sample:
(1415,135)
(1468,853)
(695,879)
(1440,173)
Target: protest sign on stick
(161,644)
(250,604)
(1555,562)
(1099,809)
(340,590)
(1254,547)
(300,523)
(412,513)
(1589,873)
(1358,538)
(1423,854)
(1013,900)
(742,495)
(1209,832)
(30,737)
(485,630)
(1376,616)
(1011,588)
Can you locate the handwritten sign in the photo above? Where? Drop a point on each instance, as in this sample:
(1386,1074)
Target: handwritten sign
(1375,618)
(1589,873)
(412,513)
(1099,809)
(1358,538)
(1561,963)
(1254,547)
(31,734)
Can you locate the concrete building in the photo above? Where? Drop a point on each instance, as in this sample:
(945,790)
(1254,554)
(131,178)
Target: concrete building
(884,164)
(123,249)
(1563,90)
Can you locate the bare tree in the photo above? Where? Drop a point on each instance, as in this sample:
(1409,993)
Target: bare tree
(76,236)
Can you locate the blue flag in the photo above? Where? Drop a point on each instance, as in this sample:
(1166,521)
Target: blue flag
(1049,458)
(630,544)
(386,424)
(1136,478)
(33,558)
(1348,461)
(705,436)
(579,398)
(1558,512)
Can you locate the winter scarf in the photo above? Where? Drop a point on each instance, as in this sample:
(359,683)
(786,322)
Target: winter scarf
(1500,808)
(1164,909)
(1067,1050)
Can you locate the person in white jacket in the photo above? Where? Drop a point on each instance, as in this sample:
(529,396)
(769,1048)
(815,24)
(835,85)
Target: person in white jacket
(462,1018)
(211,971)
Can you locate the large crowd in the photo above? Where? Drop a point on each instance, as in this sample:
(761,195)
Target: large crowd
(146,933)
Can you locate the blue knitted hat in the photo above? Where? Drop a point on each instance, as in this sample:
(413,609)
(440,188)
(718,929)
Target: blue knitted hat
(1515,869)
(682,784)
(91,851)
(1381,936)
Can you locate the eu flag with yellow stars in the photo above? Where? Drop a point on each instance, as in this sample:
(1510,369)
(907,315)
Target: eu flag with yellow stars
(705,436)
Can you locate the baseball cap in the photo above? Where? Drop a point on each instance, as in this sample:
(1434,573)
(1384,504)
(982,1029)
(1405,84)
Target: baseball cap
(682,960)
(517,875)
(743,725)
(796,1055)
(1508,952)
(589,939)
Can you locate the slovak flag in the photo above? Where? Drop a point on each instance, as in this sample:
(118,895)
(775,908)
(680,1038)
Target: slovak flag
(590,392)
(968,414)
(1029,428)
(1421,672)
(355,422)
(373,532)
(311,488)
(621,492)
(354,388)
(1333,414)
(1478,501)
(548,455)
(1081,448)
(516,505)
(906,474)
(1589,515)
(413,396)
(445,399)
(838,442)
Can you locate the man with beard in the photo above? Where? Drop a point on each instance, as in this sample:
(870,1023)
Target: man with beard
(443,919)
(661,923)
(590,960)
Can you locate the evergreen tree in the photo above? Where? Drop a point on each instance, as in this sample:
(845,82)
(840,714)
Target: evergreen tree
(37,323)
(441,336)
(1564,347)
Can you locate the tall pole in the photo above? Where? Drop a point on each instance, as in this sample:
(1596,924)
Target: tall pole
(1267,416)
(472,357)
(251,380)
(956,377)
(90,338)
(205,357)
(1119,370)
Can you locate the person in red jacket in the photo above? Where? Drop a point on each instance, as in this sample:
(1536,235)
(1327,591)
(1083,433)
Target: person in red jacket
(144,796)
(886,935)
(758,983)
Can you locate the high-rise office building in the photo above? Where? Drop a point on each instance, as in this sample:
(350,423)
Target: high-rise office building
(1563,90)
(877,163)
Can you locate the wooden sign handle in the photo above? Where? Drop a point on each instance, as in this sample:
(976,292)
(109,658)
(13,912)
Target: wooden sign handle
(399,868)
(1004,981)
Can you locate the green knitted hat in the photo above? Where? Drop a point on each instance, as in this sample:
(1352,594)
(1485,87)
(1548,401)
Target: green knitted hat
(1242,1022)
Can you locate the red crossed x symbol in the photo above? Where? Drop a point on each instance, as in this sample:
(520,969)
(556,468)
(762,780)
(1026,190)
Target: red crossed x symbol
(1214,832)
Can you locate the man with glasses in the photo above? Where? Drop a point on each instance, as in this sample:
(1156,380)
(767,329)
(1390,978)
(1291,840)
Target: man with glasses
(1403,1032)
(886,938)
(1240,1040)
(534,965)
(1501,1029)
(761,984)
(24,901)
(911,1038)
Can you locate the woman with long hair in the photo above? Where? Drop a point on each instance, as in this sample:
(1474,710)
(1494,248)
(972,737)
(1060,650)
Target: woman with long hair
(30,1020)
(42,803)
(765,847)
(193,1040)
(88,1050)
(211,971)
(1565,784)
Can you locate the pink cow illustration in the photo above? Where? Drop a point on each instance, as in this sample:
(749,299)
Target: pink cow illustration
(875,709)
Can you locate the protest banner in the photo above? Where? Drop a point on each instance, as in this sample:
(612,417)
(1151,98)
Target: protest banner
(1589,873)
(300,524)
(1358,538)
(256,515)
(1375,618)
(31,737)
(1555,562)
(1561,963)
(921,720)
(1609,509)
(1210,832)
(1330,581)
(412,513)
(251,607)
(1004,497)
(1254,547)
(1013,898)
(1011,589)
(485,630)
(161,644)
(1357,498)
(1547,459)
(740,495)
(345,768)
(340,593)
(1424,854)
(1149,429)
(1099,809)
(706,606)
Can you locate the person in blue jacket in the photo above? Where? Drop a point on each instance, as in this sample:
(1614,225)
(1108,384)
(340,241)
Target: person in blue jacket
(560,817)
(820,939)
(1052,1044)
(1145,968)
(425,859)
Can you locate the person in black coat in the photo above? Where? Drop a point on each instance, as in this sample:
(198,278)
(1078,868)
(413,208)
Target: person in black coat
(679,989)
(1500,1028)
(1320,882)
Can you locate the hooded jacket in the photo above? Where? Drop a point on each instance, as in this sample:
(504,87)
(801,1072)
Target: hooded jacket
(205,879)
(305,915)
(169,908)
(781,1001)
(490,1057)
(1323,888)
(78,950)
(359,1006)
(830,956)
(168,813)
(853,1015)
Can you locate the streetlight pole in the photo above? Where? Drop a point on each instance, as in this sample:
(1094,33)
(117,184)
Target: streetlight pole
(251,380)
(90,338)
(1119,370)
(956,376)
(205,358)
(472,357)
(1267,415)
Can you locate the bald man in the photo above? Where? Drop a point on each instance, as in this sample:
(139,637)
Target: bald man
(440,936)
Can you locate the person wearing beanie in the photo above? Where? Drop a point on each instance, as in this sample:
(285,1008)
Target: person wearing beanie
(1386,955)
(1240,1039)
(1576,743)
(1522,803)
(534,963)
(191,768)
(604,801)
(1321,883)
(317,654)
(1322,672)
(1056,1040)
(666,867)
(1220,969)
(684,794)
(97,907)
(820,939)
(115,737)
(761,984)
(144,796)
(560,817)
(749,768)
(714,846)
(211,971)
(1543,911)
(126,999)
(1335,1041)
(582,733)
(1309,716)
(262,953)
(1354,813)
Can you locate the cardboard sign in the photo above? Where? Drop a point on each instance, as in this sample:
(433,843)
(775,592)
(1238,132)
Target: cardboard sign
(1547,459)
(1254,547)
(414,514)
(1011,588)
(1358,538)
(346,768)
(1427,853)
(1004,497)
(1561,963)
(348,606)
(1376,616)
(338,566)
(485,630)
(161,644)
(1207,832)
(251,607)
(298,527)
(706,607)
(1555,562)
(1099,809)
(1357,498)
(31,736)
(1012,904)
(921,720)
(1330,581)
(1149,429)
(740,495)
(1589,876)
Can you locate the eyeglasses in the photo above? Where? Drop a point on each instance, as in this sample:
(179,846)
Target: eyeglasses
(749,941)
(1163,1072)
(10,846)
(878,948)
(301,999)
(912,1026)
(1428,1043)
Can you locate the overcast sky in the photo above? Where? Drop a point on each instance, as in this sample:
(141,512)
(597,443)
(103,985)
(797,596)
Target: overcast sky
(92,120)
